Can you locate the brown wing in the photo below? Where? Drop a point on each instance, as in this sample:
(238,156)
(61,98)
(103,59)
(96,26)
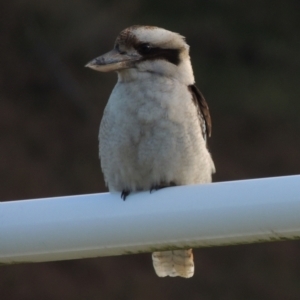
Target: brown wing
(203,109)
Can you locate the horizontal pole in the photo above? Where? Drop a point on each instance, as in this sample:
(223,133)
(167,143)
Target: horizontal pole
(83,226)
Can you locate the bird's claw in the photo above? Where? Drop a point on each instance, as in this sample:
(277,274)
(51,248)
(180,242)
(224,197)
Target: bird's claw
(124,194)
(157,187)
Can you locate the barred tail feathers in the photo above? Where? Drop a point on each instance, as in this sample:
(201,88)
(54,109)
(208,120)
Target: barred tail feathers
(174,263)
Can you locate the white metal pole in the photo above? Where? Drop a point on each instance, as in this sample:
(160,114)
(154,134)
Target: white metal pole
(94,225)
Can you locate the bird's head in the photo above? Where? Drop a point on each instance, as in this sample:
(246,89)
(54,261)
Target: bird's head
(147,49)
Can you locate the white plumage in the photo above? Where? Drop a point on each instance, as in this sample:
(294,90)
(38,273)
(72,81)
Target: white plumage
(154,127)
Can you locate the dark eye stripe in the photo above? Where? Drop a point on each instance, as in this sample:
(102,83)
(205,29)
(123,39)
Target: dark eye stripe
(170,55)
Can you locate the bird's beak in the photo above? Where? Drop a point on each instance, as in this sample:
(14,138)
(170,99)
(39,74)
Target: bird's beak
(113,61)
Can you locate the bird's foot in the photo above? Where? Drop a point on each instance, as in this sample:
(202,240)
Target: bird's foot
(124,194)
(163,185)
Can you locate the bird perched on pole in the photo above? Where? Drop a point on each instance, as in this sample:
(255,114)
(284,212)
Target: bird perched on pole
(155,125)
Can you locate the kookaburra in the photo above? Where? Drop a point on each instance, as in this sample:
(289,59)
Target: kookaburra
(155,125)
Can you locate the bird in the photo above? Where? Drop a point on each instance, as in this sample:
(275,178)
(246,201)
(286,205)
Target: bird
(154,129)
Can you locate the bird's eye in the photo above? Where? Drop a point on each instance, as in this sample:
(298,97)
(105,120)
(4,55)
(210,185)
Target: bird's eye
(144,48)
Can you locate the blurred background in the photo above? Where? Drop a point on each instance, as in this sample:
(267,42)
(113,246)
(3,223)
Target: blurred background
(246,58)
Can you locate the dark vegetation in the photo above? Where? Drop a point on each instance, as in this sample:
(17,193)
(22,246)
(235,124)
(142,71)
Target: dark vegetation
(246,57)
